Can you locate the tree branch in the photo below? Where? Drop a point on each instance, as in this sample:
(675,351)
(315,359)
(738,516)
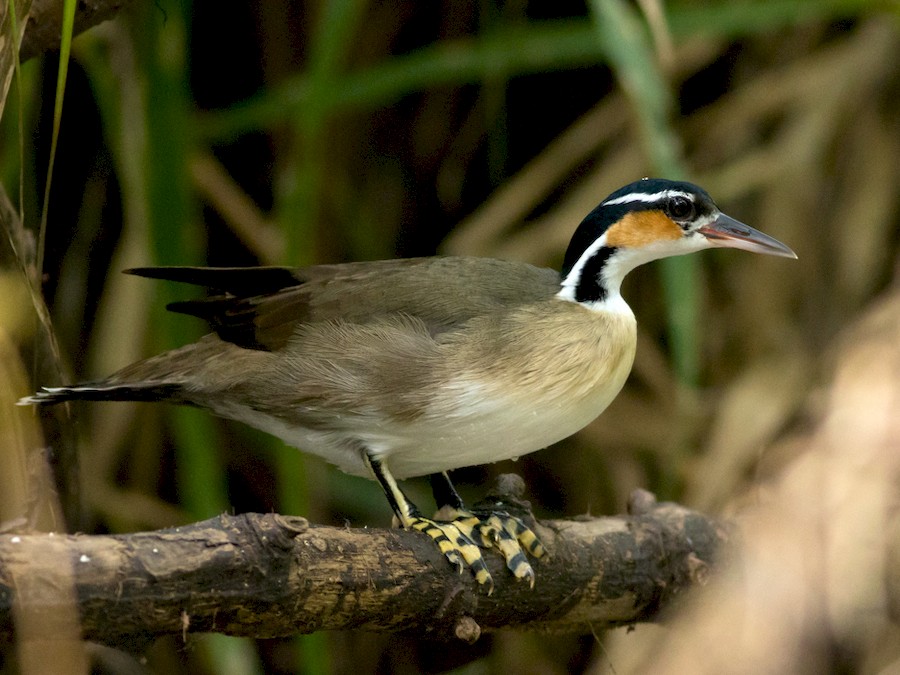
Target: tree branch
(272,575)
(44,27)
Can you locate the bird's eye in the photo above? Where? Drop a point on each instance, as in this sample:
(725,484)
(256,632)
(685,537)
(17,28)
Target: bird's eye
(680,208)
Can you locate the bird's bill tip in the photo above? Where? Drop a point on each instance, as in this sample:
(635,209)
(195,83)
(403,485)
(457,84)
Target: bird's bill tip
(727,232)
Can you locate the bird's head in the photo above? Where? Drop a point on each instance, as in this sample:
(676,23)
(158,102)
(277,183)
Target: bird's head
(646,220)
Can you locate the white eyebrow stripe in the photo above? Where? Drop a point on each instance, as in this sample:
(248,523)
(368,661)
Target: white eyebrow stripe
(649,198)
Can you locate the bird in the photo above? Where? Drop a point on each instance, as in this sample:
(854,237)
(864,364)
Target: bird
(394,369)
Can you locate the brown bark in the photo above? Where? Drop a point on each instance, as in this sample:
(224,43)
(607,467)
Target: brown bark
(45,22)
(272,575)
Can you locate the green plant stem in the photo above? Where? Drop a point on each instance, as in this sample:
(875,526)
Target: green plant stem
(627,47)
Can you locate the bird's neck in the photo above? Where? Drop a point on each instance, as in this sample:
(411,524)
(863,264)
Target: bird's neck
(595,278)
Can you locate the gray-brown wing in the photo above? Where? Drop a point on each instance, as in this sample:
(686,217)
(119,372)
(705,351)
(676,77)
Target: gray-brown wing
(261,308)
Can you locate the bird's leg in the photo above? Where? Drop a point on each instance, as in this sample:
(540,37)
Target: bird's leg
(494,527)
(456,544)
(445,494)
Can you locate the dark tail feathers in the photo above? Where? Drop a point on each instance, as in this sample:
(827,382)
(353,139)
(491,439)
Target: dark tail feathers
(242,282)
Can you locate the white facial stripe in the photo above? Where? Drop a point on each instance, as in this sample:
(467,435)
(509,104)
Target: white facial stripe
(648,197)
(572,278)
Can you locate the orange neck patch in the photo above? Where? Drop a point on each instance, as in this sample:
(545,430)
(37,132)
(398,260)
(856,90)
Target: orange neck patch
(640,228)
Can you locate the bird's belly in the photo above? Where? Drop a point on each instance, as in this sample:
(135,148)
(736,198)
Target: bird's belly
(343,448)
(484,426)
(497,427)
(505,434)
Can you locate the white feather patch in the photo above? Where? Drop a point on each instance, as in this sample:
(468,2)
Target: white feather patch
(648,197)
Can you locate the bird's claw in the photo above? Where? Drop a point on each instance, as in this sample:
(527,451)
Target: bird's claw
(458,546)
(488,529)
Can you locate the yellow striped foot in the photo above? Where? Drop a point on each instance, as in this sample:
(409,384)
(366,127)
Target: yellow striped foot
(457,545)
(460,533)
(504,532)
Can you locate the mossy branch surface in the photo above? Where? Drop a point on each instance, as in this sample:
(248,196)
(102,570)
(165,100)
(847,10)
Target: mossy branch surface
(272,575)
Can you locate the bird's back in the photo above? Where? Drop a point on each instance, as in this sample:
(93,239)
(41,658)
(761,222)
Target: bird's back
(261,308)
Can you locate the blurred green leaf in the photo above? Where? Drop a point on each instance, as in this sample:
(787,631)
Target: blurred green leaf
(625,42)
(539,46)
(65,48)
